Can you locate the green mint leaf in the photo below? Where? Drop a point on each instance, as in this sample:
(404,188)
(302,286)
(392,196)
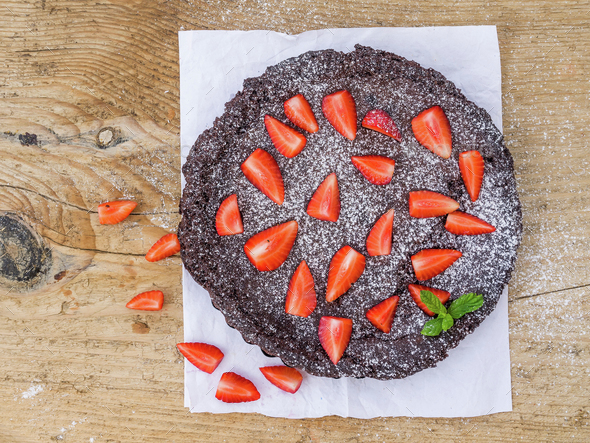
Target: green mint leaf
(447,322)
(432,327)
(465,304)
(432,302)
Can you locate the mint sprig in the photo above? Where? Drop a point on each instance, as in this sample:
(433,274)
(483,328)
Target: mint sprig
(446,319)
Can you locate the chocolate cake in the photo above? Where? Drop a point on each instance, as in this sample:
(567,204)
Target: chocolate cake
(253,302)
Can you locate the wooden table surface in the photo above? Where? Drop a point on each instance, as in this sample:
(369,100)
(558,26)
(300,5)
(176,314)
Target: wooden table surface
(89,95)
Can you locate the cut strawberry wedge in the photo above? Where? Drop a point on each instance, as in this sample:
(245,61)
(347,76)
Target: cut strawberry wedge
(268,249)
(375,168)
(433,131)
(334,333)
(379,239)
(443,296)
(471,165)
(297,110)
(228,220)
(262,170)
(340,110)
(204,356)
(346,267)
(234,388)
(165,247)
(147,301)
(460,223)
(111,213)
(381,315)
(287,140)
(325,202)
(381,121)
(287,379)
(424,204)
(430,262)
(301,296)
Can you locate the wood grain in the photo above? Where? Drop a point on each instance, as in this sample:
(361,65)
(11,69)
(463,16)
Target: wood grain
(89,111)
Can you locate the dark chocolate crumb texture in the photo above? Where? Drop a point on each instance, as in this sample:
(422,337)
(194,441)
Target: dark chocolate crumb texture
(253,302)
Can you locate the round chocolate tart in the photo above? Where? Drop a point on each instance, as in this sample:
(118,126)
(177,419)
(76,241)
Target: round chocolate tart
(253,302)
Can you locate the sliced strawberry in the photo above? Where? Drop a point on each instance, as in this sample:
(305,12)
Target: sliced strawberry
(203,356)
(301,297)
(340,110)
(430,262)
(287,140)
(262,170)
(111,213)
(228,220)
(381,121)
(471,165)
(165,247)
(297,110)
(147,301)
(287,379)
(381,315)
(443,296)
(460,223)
(375,168)
(234,388)
(334,333)
(433,131)
(268,249)
(379,239)
(325,202)
(425,204)
(346,267)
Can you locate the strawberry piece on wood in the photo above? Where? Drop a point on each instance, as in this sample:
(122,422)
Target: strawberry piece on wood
(147,301)
(111,213)
(165,247)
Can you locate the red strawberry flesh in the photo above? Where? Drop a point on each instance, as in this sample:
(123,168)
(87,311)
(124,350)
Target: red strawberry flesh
(228,220)
(202,355)
(286,140)
(165,247)
(472,166)
(424,204)
(346,267)
(111,213)
(430,262)
(380,121)
(234,388)
(375,168)
(262,170)
(301,296)
(381,315)
(433,131)
(287,379)
(379,239)
(268,249)
(340,110)
(297,110)
(460,223)
(325,202)
(334,333)
(147,301)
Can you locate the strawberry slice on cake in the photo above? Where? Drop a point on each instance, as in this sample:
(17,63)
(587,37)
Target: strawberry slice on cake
(433,131)
(262,170)
(460,223)
(287,140)
(334,333)
(379,239)
(228,220)
(375,168)
(301,296)
(472,166)
(381,315)
(340,110)
(424,204)
(429,263)
(380,121)
(346,267)
(297,110)
(325,202)
(269,249)
(415,290)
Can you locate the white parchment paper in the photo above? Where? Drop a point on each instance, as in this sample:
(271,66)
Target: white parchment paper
(213,65)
